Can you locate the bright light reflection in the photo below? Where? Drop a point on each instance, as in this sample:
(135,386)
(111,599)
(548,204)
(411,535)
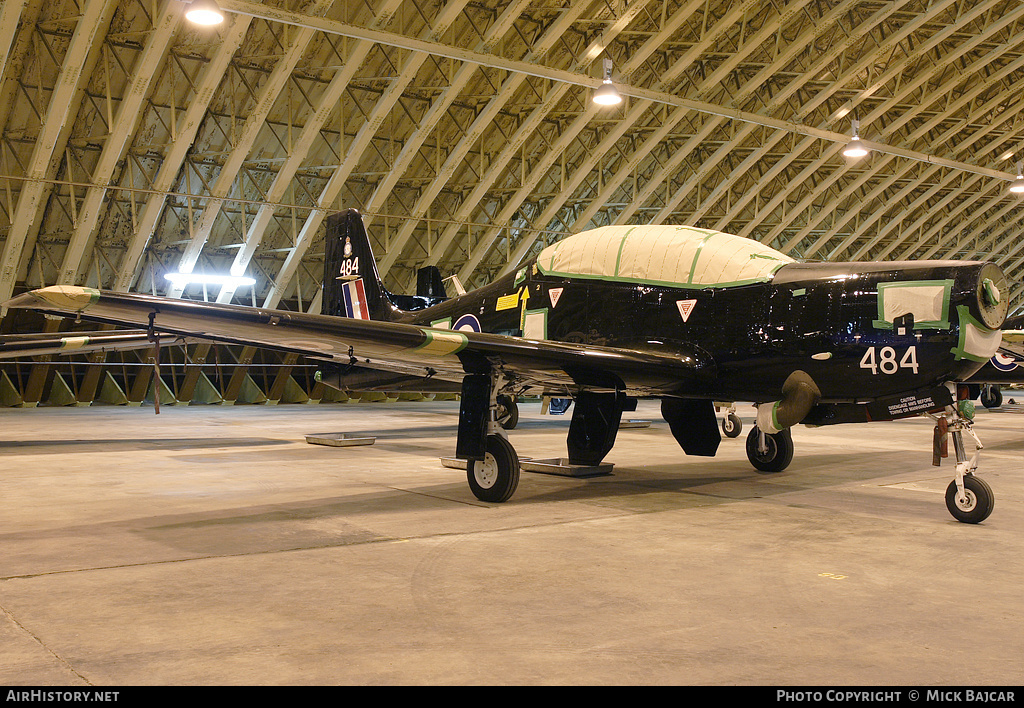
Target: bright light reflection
(183,279)
(204,12)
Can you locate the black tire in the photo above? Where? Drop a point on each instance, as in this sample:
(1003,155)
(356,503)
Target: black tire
(991,397)
(495,478)
(508,412)
(978,505)
(732,426)
(779,454)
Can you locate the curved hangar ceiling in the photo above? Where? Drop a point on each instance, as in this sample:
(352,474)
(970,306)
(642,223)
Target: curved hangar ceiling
(136,144)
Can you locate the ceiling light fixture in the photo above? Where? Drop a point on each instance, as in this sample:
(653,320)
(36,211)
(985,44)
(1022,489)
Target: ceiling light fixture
(855,148)
(1017,186)
(204,12)
(607,94)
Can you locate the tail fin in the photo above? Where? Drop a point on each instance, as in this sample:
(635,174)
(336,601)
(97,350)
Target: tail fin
(352,286)
(429,283)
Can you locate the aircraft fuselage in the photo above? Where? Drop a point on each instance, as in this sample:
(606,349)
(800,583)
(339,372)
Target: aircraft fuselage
(819,318)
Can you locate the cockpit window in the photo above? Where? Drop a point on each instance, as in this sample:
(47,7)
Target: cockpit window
(677,256)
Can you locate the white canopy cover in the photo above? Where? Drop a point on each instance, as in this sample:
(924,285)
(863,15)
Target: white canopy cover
(677,256)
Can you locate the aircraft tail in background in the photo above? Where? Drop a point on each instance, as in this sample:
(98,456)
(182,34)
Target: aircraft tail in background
(352,284)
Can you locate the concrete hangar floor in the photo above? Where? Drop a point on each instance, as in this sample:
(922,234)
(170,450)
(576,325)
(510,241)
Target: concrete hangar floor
(213,545)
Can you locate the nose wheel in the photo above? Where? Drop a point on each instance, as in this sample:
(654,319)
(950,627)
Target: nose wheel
(974,503)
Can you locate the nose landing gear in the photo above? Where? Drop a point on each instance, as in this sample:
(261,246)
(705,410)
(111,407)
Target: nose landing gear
(968,498)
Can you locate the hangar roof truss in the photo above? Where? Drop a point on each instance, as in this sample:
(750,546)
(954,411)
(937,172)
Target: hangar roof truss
(134,144)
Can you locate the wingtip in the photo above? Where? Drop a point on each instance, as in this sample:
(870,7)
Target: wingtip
(68,298)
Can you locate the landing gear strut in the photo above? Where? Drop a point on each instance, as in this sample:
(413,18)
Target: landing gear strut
(968,498)
(492,468)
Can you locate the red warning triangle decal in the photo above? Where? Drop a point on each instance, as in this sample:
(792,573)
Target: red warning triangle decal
(685,308)
(554,294)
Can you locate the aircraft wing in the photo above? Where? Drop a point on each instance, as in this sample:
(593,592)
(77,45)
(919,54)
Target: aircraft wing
(1006,367)
(1013,342)
(15,345)
(432,352)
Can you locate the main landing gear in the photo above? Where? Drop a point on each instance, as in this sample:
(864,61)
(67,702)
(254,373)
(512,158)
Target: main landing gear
(968,498)
(991,396)
(492,467)
(770,452)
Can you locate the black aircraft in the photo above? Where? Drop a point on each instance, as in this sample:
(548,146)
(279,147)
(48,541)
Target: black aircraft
(686,315)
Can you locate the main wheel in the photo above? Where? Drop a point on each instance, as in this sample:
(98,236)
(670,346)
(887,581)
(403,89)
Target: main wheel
(991,397)
(778,455)
(508,412)
(558,406)
(732,426)
(494,478)
(977,503)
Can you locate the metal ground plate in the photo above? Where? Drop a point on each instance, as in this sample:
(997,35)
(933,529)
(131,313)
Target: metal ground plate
(561,466)
(339,439)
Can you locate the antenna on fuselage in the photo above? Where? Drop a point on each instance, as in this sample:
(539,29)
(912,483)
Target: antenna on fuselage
(456,283)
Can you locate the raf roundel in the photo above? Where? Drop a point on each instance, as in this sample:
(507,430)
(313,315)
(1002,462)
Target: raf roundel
(1003,362)
(467,323)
